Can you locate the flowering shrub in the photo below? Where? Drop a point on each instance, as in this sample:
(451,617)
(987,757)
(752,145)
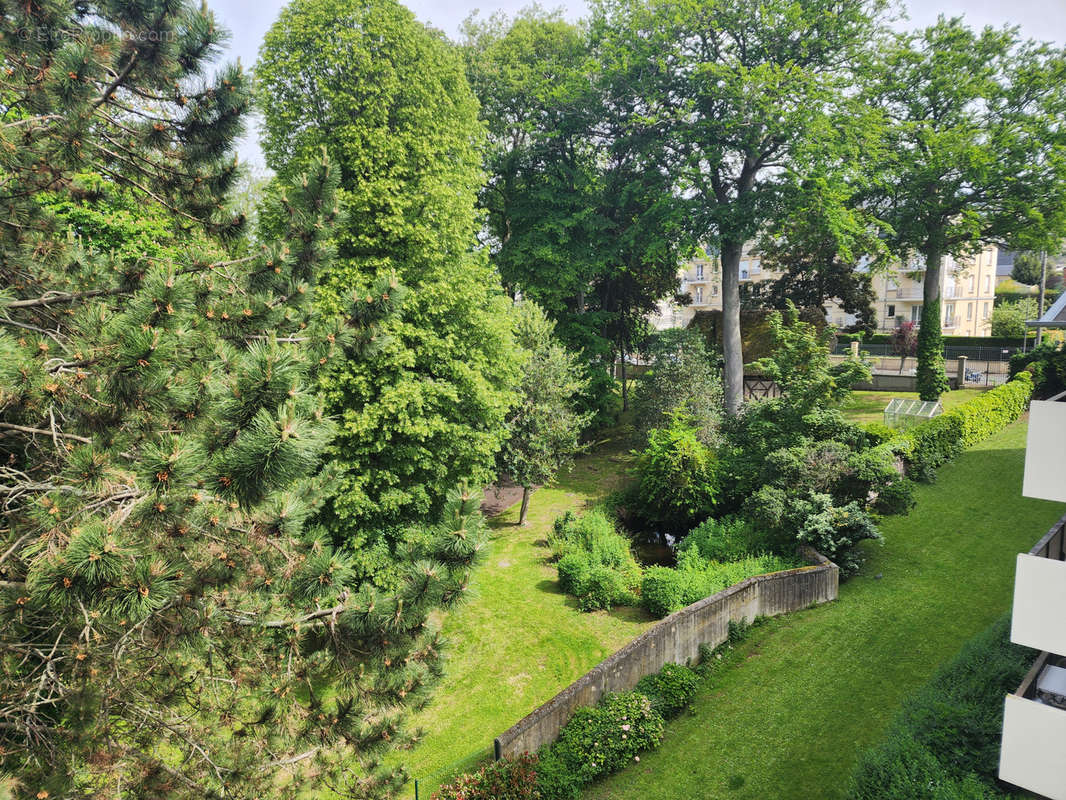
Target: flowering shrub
(602,739)
(506,779)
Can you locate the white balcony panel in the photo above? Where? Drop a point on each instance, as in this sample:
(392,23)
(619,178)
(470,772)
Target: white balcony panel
(1039,598)
(1033,754)
(1044,477)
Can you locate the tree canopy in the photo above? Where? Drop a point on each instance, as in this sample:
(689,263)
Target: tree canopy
(974,153)
(746,95)
(389,100)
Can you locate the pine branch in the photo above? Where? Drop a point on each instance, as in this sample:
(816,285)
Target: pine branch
(23,429)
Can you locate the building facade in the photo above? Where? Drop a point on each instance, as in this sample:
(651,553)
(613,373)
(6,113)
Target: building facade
(967,294)
(701,279)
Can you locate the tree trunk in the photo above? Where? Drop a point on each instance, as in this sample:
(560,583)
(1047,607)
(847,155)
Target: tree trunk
(525,505)
(625,386)
(932,382)
(1043,287)
(733,375)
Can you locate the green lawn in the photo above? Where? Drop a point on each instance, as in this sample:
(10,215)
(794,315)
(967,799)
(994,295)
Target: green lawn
(870,406)
(805,693)
(520,641)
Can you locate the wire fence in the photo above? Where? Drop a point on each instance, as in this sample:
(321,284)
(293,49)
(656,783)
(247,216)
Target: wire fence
(425,785)
(974,353)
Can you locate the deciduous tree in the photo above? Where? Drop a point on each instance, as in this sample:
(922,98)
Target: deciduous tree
(544,428)
(389,100)
(744,98)
(975,145)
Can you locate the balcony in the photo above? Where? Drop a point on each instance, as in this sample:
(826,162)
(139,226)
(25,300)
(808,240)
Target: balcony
(1044,449)
(910,293)
(1033,752)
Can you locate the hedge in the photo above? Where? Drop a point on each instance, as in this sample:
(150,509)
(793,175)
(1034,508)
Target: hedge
(928,446)
(944,744)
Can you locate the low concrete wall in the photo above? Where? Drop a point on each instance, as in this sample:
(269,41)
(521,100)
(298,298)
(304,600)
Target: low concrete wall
(891,382)
(676,639)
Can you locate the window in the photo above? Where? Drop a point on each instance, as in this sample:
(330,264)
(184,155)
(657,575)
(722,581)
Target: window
(969,311)
(972,279)
(744,270)
(699,272)
(714,290)
(916,313)
(988,284)
(949,312)
(986,311)
(699,295)
(891,312)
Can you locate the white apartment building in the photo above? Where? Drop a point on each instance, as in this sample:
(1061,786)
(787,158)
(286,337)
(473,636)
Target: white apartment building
(701,278)
(1033,750)
(967,292)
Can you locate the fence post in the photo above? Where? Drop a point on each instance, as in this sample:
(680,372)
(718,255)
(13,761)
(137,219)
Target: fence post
(855,350)
(961,374)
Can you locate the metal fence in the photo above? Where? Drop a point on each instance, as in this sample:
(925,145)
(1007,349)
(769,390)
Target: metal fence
(950,351)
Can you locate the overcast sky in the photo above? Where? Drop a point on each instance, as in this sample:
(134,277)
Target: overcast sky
(249,20)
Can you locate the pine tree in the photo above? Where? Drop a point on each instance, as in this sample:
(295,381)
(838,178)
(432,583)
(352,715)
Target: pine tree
(170,625)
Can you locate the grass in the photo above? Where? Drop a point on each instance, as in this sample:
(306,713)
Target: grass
(804,694)
(521,640)
(864,407)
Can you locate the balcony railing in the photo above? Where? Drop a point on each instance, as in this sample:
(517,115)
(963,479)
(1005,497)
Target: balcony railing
(1033,751)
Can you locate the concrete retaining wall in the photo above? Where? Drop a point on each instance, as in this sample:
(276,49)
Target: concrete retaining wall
(676,639)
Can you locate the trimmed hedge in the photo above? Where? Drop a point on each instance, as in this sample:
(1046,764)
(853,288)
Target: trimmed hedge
(944,745)
(928,446)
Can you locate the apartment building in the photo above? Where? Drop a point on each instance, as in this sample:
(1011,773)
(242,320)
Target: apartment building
(1033,751)
(701,279)
(967,294)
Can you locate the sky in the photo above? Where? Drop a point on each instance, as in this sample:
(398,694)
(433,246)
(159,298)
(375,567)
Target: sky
(248,21)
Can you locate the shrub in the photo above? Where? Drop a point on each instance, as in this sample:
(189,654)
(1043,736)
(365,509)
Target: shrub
(596,564)
(682,376)
(725,539)
(945,741)
(897,497)
(602,739)
(662,590)
(555,779)
(506,779)
(1047,366)
(671,689)
(931,445)
(835,530)
(995,409)
(574,573)
(606,587)
(677,475)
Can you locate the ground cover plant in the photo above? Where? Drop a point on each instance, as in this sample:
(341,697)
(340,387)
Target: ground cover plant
(788,712)
(945,742)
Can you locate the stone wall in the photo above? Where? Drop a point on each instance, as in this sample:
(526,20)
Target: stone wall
(676,639)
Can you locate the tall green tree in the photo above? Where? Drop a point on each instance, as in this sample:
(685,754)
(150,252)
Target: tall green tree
(389,100)
(170,625)
(544,428)
(975,153)
(745,98)
(1027,268)
(580,216)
